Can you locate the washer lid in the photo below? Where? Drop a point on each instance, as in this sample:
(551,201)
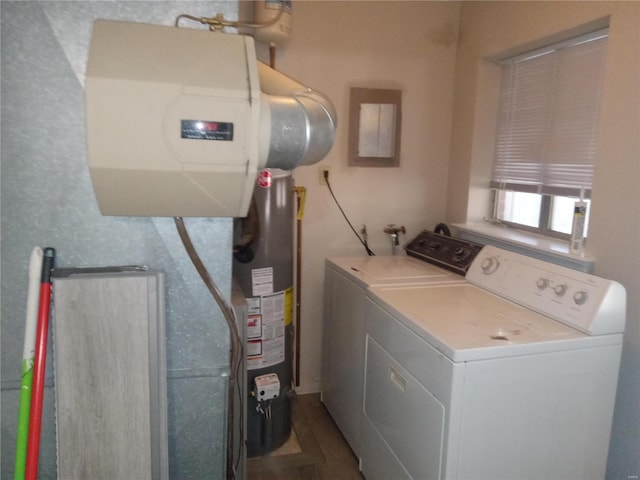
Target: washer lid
(467,323)
(392,270)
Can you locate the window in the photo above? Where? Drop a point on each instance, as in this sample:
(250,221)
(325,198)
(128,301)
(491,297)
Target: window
(547,132)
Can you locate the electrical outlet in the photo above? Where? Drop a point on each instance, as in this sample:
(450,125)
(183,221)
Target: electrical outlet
(324,168)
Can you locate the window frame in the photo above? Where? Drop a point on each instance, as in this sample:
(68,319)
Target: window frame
(546,192)
(544,217)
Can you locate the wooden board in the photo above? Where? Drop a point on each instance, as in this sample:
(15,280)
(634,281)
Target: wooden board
(110,377)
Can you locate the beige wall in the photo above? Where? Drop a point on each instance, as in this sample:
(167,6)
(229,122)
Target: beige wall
(402,45)
(490,28)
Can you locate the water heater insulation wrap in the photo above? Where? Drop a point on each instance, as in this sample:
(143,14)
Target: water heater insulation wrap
(178,124)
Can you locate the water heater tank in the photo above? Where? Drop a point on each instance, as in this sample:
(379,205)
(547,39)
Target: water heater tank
(180,120)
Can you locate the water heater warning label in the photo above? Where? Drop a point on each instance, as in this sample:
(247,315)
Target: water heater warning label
(206,130)
(262,281)
(265,330)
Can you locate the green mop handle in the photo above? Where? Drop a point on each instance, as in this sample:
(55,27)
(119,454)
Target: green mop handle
(28,352)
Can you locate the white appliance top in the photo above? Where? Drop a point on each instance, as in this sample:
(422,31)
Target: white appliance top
(391,270)
(556,309)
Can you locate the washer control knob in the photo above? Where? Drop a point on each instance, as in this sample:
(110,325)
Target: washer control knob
(580,297)
(560,290)
(542,283)
(489,265)
(460,253)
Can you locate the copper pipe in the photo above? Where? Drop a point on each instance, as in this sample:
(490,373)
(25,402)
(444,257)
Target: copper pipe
(272,55)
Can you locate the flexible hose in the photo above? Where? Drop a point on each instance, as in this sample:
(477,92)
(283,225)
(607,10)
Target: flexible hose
(235,343)
(443,229)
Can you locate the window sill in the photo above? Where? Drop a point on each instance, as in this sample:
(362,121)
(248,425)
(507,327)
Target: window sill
(537,246)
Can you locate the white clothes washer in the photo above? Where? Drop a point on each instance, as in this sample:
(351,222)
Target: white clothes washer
(510,376)
(346,282)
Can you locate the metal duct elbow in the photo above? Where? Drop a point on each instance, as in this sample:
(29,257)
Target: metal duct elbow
(298,123)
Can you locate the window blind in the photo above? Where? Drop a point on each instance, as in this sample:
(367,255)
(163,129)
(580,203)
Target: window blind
(548,118)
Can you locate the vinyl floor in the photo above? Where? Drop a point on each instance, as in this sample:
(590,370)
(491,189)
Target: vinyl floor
(316,451)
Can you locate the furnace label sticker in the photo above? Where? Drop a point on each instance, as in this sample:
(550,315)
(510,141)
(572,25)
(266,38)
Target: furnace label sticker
(265,332)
